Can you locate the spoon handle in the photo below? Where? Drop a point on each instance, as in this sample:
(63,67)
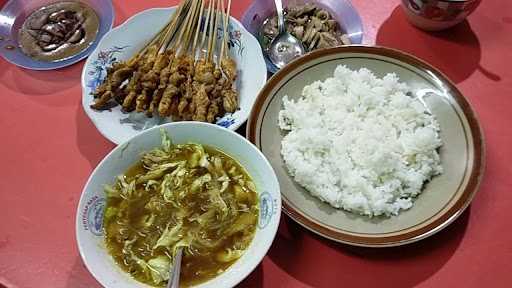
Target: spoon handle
(174,282)
(280,16)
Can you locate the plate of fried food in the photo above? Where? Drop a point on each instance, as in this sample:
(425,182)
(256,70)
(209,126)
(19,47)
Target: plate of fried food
(173,64)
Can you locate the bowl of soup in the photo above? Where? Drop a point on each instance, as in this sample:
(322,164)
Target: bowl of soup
(188,186)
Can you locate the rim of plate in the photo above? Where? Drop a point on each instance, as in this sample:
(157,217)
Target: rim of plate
(114,140)
(251,266)
(69,61)
(442,220)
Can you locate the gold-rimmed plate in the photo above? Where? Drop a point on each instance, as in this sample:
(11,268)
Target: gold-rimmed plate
(442,200)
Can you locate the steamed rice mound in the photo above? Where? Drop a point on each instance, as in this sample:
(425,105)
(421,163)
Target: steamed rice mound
(360,143)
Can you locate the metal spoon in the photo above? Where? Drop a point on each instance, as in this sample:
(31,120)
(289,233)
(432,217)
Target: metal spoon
(285,47)
(174,281)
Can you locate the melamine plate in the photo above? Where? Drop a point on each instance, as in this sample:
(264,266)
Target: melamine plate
(127,39)
(443,199)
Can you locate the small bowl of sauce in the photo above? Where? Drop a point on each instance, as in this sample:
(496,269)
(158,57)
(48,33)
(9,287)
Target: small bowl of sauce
(45,35)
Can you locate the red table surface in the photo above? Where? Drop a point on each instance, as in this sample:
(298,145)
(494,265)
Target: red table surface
(49,147)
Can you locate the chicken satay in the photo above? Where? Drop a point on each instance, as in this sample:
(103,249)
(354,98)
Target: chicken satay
(167,104)
(214,110)
(119,96)
(164,107)
(119,77)
(228,66)
(186,94)
(149,83)
(173,109)
(149,79)
(206,75)
(217,74)
(164,80)
(229,94)
(187,89)
(149,59)
(177,75)
(141,102)
(101,103)
(133,89)
(201,102)
(204,72)
(103,87)
(180,73)
(230,100)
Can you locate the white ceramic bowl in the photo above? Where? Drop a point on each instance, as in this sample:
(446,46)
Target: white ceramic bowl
(127,39)
(89,218)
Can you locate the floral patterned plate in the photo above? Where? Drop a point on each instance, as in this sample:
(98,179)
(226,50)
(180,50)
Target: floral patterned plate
(127,39)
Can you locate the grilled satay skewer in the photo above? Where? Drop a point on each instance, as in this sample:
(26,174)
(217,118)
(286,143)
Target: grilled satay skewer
(213,34)
(195,53)
(189,59)
(168,104)
(150,80)
(197,30)
(216,107)
(228,66)
(163,69)
(122,71)
(204,70)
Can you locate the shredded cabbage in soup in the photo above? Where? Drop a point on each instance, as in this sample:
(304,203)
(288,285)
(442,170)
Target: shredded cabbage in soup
(188,196)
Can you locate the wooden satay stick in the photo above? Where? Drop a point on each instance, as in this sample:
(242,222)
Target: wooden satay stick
(198,29)
(143,51)
(159,35)
(210,30)
(177,25)
(173,27)
(184,29)
(213,41)
(190,15)
(225,32)
(224,52)
(191,26)
(168,31)
(179,29)
(206,26)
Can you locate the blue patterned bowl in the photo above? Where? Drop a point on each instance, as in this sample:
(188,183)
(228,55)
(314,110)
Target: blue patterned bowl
(13,15)
(341,10)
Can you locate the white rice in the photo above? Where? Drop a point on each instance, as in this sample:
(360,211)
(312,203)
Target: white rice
(359,143)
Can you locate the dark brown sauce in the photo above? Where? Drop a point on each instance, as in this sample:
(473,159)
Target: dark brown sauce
(58,31)
(195,268)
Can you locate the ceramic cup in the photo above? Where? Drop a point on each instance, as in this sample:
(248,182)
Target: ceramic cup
(435,15)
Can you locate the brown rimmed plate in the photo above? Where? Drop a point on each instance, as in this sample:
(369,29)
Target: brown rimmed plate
(443,199)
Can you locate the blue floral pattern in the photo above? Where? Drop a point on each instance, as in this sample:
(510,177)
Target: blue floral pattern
(226,121)
(235,39)
(101,64)
(267,209)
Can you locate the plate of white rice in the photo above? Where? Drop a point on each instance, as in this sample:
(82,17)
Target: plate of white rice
(372,146)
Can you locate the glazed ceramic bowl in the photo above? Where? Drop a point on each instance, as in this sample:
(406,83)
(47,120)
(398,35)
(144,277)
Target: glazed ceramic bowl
(127,39)
(13,15)
(443,199)
(341,10)
(89,218)
(434,15)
